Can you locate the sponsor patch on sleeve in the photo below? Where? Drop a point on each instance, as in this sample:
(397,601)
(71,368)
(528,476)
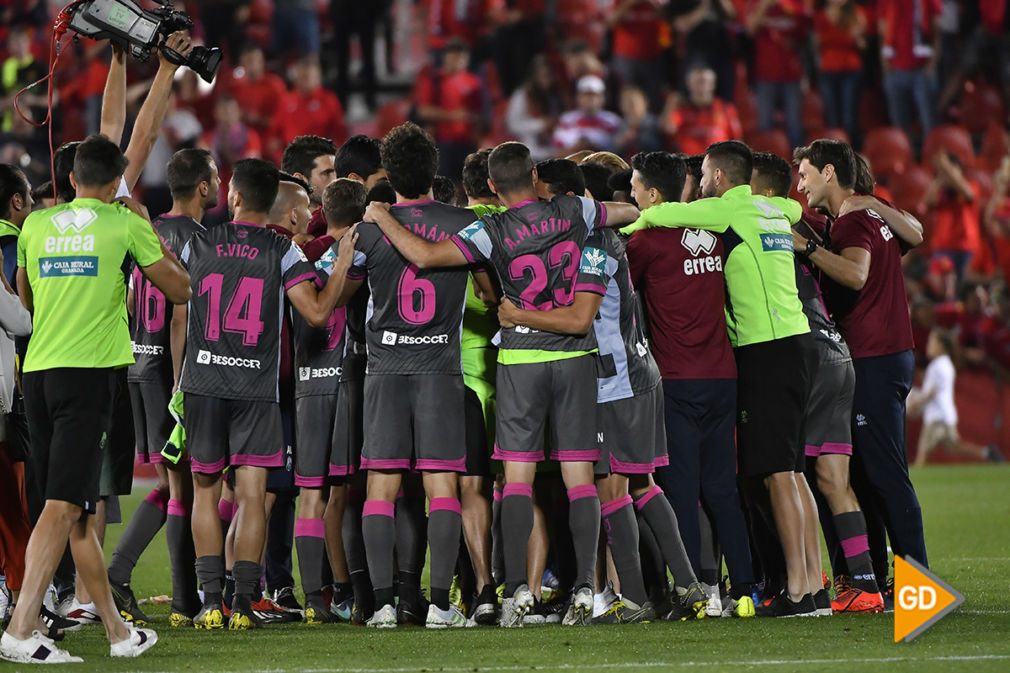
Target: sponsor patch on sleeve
(471,231)
(594,262)
(776,242)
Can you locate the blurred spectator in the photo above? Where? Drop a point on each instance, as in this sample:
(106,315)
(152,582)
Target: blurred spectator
(224,23)
(579,60)
(701,120)
(308,109)
(840,27)
(26,147)
(296,27)
(780,29)
(260,91)
(997,218)
(953,200)
(519,37)
(534,108)
(704,25)
(589,127)
(231,139)
(640,131)
(472,21)
(640,34)
(350,18)
(19,70)
(909,45)
(450,101)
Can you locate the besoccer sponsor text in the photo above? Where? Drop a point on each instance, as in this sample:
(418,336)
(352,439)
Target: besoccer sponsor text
(394,339)
(208,358)
(308,373)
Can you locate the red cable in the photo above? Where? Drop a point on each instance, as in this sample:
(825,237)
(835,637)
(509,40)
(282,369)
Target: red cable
(60,26)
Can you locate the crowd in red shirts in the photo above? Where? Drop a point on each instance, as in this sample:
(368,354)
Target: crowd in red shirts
(915,83)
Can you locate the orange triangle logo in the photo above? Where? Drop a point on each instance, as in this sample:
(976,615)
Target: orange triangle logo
(921,599)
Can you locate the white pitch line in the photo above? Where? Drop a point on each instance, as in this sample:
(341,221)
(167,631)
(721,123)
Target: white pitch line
(984,612)
(645,664)
(1004,559)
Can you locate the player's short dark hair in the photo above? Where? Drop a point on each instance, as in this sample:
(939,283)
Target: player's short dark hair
(693,163)
(344,201)
(257,181)
(596,177)
(773,172)
(475,175)
(620,181)
(734,158)
(662,171)
(443,189)
(12,182)
(43,191)
(563,176)
(359,155)
(381,191)
(63,166)
(864,182)
(294,180)
(839,154)
(99,161)
(511,167)
(410,158)
(301,153)
(186,170)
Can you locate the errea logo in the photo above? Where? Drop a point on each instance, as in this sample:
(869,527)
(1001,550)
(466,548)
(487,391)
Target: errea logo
(697,241)
(77,219)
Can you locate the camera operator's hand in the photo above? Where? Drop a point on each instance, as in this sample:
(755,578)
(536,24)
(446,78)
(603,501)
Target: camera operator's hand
(179,42)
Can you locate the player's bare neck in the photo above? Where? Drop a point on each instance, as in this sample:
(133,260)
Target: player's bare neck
(191,209)
(836,197)
(403,200)
(521,196)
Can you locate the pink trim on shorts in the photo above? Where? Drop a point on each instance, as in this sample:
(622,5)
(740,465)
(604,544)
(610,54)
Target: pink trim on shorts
(836,448)
(608,508)
(436,465)
(661,461)
(309,482)
(445,504)
(497,494)
(158,499)
(854,546)
(649,495)
(341,470)
(525,490)
(378,508)
(179,508)
(309,528)
(274,460)
(207,468)
(150,458)
(620,467)
(585,456)
(812,450)
(385,464)
(579,492)
(517,456)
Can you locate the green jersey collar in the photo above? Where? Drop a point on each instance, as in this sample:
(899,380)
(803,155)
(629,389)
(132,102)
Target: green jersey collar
(8,228)
(738,192)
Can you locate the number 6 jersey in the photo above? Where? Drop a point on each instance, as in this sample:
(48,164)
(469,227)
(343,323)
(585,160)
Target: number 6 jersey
(414,315)
(238,273)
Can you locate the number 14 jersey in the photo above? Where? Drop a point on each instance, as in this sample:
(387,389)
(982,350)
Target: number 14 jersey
(238,274)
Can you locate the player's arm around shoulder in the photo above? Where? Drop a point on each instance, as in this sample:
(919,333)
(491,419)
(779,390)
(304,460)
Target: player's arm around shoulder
(849,268)
(424,254)
(712,214)
(317,306)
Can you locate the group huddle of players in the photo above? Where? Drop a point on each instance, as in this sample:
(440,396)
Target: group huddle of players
(445,376)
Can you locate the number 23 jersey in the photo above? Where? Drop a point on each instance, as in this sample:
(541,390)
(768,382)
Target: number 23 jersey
(414,316)
(238,274)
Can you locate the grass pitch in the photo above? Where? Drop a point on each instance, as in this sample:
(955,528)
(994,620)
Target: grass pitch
(967,519)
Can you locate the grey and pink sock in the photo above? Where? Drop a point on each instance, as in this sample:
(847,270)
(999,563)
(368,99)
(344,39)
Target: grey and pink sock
(143,526)
(378,528)
(310,544)
(584,523)
(516,526)
(621,530)
(851,530)
(444,524)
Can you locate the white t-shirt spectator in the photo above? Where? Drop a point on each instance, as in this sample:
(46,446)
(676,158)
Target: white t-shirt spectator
(599,130)
(939,380)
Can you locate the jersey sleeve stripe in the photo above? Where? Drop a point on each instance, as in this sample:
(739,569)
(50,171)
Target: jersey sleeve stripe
(590,287)
(299,279)
(464,249)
